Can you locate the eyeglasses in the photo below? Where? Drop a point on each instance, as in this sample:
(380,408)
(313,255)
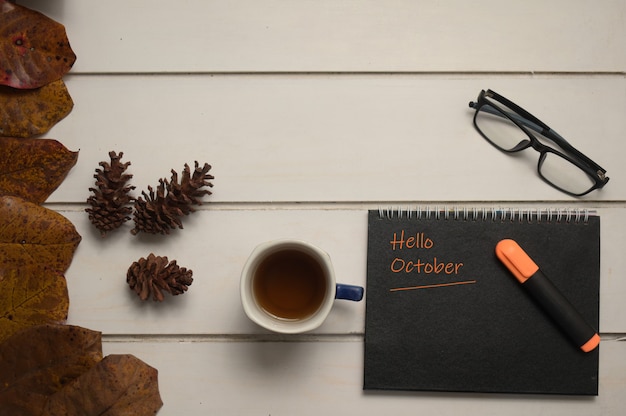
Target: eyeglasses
(511,129)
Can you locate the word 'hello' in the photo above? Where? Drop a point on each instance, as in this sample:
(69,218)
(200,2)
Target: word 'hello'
(420,240)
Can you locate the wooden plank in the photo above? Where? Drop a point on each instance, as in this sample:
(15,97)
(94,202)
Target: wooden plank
(336,137)
(313,378)
(215,245)
(352,35)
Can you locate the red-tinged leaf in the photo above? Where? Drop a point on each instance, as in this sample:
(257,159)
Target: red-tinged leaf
(31,235)
(39,361)
(31,296)
(118,385)
(33,168)
(34,49)
(31,112)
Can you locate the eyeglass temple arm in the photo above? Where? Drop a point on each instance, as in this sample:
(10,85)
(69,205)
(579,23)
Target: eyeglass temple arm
(517,118)
(545,131)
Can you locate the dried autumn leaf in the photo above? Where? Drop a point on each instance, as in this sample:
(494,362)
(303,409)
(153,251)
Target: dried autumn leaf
(31,112)
(34,49)
(117,385)
(33,168)
(31,296)
(32,235)
(41,360)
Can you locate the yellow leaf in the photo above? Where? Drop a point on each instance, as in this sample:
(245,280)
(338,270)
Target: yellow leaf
(33,168)
(27,113)
(31,296)
(31,235)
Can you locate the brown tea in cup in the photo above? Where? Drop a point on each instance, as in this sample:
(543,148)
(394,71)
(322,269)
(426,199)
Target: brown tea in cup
(290,284)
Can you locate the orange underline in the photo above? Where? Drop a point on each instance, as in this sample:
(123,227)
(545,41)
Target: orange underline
(467,282)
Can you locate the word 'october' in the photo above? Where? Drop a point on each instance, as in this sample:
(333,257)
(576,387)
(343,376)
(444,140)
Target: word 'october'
(399,265)
(419,241)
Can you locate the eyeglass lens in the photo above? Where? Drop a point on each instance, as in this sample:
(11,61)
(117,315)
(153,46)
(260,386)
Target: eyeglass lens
(564,174)
(498,129)
(509,137)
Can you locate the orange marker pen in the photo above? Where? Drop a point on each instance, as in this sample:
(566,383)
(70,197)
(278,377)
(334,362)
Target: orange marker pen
(547,295)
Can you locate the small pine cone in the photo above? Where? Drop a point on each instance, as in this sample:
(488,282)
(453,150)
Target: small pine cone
(110,200)
(160,210)
(155,275)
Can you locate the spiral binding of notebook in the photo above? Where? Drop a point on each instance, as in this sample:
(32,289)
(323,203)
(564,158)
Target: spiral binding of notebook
(558,215)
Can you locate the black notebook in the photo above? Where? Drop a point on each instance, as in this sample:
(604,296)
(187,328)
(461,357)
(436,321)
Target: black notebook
(444,314)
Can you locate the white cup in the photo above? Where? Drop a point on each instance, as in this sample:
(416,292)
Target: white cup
(289,286)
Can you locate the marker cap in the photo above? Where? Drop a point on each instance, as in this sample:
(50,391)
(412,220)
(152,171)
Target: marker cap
(516,260)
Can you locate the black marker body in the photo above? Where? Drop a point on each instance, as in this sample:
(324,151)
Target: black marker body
(559,308)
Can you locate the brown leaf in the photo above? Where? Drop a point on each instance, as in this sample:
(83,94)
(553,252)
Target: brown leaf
(33,168)
(27,113)
(117,385)
(33,235)
(34,49)
(39,361)
(31,296)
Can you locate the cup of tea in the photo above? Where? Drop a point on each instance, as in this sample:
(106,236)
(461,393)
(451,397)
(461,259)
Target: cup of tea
(289,286)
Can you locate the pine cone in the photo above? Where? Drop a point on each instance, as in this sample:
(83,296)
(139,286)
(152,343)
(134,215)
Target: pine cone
(110,202)
(160,210)
(156,275)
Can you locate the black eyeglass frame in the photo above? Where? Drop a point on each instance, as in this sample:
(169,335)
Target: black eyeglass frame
(526,122)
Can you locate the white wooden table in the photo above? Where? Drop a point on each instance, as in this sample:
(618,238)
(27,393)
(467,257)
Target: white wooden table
(311,113)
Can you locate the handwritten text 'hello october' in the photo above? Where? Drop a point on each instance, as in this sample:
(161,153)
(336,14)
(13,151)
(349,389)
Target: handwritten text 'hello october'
(419,241)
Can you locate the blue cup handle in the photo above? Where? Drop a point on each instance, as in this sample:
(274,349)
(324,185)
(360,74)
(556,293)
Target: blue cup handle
(349,292)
